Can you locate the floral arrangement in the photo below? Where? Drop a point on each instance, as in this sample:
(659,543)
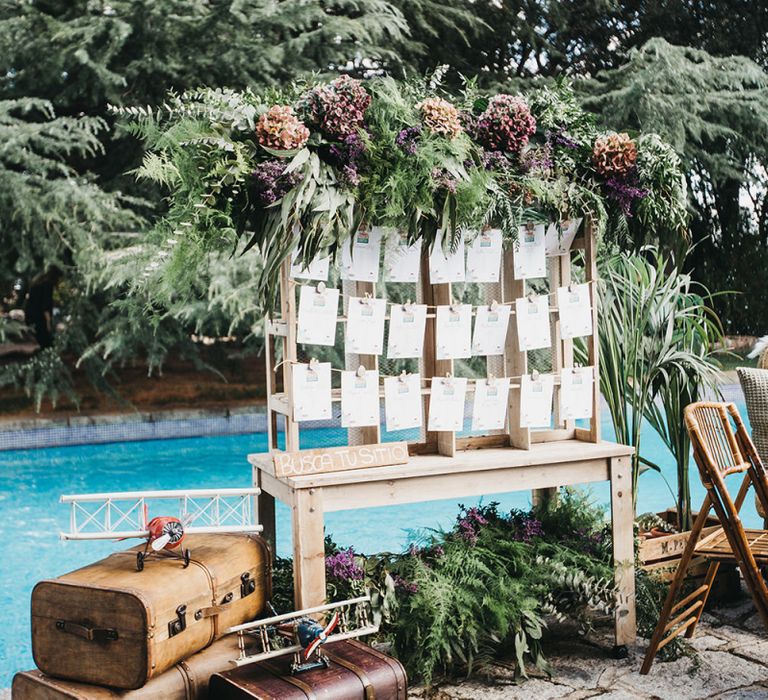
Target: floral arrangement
(302,167)
(456,598)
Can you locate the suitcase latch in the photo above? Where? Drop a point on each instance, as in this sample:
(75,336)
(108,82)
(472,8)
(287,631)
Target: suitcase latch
(247,584)
(180,623)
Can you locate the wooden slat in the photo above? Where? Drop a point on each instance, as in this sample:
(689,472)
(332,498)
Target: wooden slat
(676,621)
(691,596)
(515,362)
(593,341)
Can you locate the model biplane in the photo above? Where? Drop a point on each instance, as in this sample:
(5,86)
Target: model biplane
(300,633)
(120,516)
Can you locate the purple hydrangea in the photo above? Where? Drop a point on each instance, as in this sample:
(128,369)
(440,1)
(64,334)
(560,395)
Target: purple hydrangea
(408,139)
(468,525)
(401,584)
(344,566)
(538,159)
(527,528)
(625,191)
(561,138)
(347,156)
(443,179)
(271,183)
(495,160)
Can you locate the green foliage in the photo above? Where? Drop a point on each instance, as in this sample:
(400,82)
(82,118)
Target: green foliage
(456,599)
(658,336)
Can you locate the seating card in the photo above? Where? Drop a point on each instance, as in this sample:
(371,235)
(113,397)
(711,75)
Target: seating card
(406,331)
(454,332)
(559,237)
(365,326)
(536,401)
(529,252)
(489,408)
(446,405)
(402,262)
(446,268)
(576,387)
(484,257)
(575,311)
(311,387)
(490,334)
(532,317)
(360,256)
(403,403)
(317,316)
(359,399)
(317,270)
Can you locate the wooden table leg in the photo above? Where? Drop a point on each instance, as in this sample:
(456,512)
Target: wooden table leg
(265,513)
(622,524)
(308,548)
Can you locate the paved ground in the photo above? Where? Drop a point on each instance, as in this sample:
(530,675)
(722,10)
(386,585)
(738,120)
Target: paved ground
(730,665)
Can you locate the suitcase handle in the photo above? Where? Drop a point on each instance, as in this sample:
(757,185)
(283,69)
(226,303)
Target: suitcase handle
(91,634)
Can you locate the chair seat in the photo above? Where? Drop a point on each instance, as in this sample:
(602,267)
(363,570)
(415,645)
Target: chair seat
(716,546)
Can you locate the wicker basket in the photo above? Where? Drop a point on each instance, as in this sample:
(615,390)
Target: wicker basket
(754,382)
(762,361)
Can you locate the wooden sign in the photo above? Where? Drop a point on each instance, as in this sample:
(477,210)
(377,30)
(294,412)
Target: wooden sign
(338,459)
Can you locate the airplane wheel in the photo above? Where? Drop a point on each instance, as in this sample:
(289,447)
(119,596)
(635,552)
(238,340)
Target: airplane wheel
(139,561)
(186,558)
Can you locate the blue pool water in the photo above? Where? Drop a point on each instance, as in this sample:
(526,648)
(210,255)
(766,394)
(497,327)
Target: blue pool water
(31,517)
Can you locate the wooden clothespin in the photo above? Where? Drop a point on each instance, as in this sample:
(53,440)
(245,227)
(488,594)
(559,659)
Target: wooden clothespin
(403,378)
(360,372)
(493,306)
(491,379)
(312,366)
(408,306)
(366,300)
(571,286)
(447,379)
(455,307)
(535,376)
(531,298)
(321,287)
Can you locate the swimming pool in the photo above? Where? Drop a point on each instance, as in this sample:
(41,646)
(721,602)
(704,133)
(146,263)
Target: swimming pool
(31,517)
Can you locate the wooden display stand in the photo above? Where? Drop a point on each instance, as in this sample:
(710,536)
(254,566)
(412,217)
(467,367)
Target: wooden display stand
(443,465)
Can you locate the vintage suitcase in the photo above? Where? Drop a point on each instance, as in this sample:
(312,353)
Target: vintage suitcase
(108,624)
(187,680)
(356,672)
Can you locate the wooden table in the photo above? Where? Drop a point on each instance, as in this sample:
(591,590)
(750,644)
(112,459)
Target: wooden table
(432,477)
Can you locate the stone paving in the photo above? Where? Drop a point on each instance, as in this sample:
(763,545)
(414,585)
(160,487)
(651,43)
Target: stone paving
(730,664)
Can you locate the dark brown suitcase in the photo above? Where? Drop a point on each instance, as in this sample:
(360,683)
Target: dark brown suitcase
(356,672)
(185,681)
(108,624)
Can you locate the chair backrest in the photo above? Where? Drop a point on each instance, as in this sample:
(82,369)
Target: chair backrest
(713,437)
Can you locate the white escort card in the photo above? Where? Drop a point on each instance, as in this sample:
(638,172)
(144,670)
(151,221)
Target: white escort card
(489,408)
(402,262)
(453,332)
(446,405)
(576,387)
(444,267)
(403,403)
(317,270)
(532,317)
(360,256)
(406,331)
(490,333)
(484,257)
(559,237)
(365,326)
(529,252)
(359,398)
(311,388)
(318,309)
(573,303)
(536,401)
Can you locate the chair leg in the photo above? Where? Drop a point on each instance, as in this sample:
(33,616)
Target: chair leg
(657,639)
(709,579)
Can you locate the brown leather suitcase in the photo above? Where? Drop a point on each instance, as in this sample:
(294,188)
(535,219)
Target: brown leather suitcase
(109,624)
(185,681)
(356,672)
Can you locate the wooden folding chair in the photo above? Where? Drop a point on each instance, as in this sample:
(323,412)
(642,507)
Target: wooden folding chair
(718,451)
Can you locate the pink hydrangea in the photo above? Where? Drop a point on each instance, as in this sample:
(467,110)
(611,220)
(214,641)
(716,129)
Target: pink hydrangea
(280,129)
(506,125)
(338,108)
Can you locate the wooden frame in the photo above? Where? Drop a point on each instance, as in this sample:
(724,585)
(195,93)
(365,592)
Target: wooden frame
(513,363)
